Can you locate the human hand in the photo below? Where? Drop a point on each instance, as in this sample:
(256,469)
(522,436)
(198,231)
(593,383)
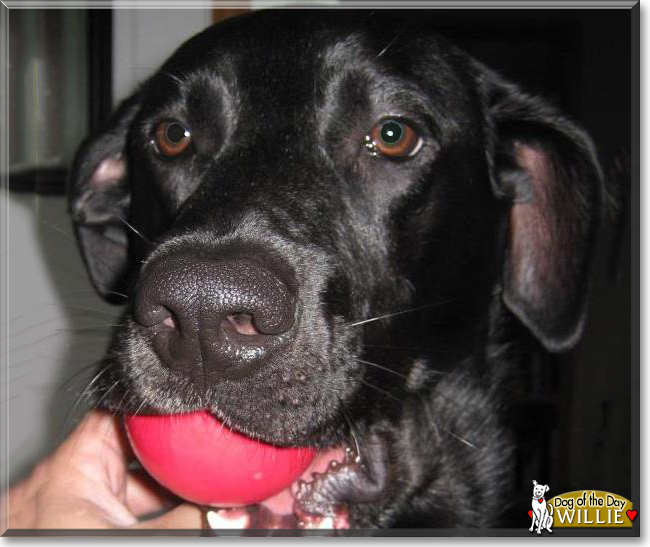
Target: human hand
(86,484)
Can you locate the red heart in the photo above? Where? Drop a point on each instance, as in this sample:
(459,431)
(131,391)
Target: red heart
(540,501)
(631,515)
(530,514)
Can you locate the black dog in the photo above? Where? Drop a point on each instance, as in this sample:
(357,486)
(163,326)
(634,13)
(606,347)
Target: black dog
(331,227)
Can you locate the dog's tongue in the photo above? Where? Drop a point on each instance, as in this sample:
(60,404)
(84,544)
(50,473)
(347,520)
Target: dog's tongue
(199,459)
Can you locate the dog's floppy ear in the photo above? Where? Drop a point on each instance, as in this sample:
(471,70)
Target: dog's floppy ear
(99,197)
(547,167)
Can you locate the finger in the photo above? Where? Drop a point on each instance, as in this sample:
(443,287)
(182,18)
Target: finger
(71,512)
(184,516)
(144,495)
(96,440)
(98,450)
(98,431)
(15,503)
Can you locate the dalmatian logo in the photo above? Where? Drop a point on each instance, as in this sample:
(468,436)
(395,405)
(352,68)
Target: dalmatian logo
(542,512)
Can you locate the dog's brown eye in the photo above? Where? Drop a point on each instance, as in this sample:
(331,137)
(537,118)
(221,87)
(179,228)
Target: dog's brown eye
(172,138)
(392,138)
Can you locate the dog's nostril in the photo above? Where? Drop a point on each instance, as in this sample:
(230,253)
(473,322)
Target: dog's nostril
(151,315)
(170,322)
(243,323)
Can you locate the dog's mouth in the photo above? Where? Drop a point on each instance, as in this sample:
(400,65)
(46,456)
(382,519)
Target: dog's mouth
(311,502)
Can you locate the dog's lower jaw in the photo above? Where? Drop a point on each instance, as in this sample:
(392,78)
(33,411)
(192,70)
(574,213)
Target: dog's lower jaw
(323,499)
(360,479)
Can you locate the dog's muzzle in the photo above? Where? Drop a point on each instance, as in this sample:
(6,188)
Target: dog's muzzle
(227,314)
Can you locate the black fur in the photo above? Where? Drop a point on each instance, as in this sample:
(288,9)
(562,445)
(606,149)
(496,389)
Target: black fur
(492,224)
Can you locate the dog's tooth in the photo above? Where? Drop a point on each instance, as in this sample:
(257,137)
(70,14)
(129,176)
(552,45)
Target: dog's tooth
(326,523)
(309,522)
(302,487)
(351,456)
(334,465)
(220,520)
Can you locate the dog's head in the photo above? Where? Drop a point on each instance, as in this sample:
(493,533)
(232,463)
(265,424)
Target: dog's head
(539,490)
(296,204)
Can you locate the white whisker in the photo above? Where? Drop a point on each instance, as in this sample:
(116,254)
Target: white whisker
(84,392)
(139,408)
(133,229)
(385,49)
(103,397)
(464,441)
(60,231)
(372,386)
(101,328)
(381,367)
(401,312)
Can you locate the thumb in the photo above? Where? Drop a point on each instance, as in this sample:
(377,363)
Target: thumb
(184,516)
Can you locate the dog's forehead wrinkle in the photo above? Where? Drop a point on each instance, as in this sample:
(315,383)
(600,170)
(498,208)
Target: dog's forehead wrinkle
(218,90)
(349,68)
(365,77)
(262,77)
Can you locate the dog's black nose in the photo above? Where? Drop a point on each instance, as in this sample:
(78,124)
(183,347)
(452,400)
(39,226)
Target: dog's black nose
(227,314)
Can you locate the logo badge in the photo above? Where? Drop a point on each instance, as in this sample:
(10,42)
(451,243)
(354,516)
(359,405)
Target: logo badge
(542,512)
(579,509)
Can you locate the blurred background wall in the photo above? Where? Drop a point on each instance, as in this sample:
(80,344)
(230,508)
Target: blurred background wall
(143,39)
(57,326)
